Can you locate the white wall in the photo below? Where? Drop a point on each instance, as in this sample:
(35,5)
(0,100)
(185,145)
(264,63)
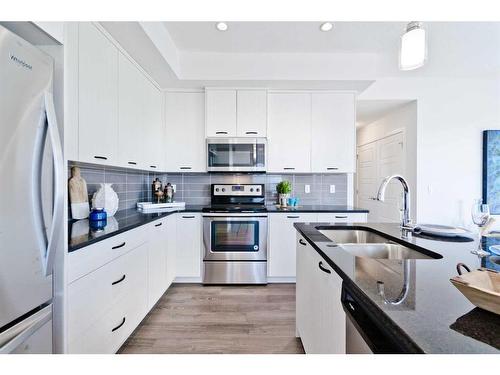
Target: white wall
(451,114)
(402,118)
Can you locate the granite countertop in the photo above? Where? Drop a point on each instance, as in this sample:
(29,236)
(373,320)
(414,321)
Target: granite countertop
(80,234)
(316,208)
(435,317)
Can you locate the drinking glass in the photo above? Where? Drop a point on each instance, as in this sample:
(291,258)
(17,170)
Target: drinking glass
(480,216)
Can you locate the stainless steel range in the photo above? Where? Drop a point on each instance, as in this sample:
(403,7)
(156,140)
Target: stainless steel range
(235,235)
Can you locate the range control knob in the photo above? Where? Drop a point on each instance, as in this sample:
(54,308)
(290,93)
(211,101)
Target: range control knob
(216,189)
(251,190)
(257,190)
(223,190)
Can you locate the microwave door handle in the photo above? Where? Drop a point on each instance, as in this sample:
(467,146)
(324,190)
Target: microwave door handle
(58,206)
(255,154)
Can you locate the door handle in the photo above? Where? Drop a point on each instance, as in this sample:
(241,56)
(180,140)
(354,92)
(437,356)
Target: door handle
(302,242)
(118,246)
(320,265)
(220,132)
(331,168)
(158,225)
(289,168)
(188,217)
(132,162)
(251,133)
(152,166)
(340,217)
(293,217)
(119,281)
(184,168)
(119,325)
(100,157)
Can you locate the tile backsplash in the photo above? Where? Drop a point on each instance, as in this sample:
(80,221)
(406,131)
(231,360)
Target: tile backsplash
(133,186)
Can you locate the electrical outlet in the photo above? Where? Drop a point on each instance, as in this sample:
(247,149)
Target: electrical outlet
(174,187)
(332,189)
(307,189)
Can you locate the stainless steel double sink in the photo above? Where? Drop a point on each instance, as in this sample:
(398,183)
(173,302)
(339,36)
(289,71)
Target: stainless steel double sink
(366,244)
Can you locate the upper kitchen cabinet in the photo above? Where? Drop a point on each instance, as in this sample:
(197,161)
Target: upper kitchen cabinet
(97,97)
(251,113)
(154,127)
(185,138)
(333,144)
(236,113)
(289,132)
(221,113)
(130,114)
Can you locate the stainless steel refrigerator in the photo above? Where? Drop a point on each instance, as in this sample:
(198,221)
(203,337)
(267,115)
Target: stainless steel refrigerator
(31,196)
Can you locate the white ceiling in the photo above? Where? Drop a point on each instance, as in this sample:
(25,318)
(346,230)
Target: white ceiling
(368,111)
(285,37)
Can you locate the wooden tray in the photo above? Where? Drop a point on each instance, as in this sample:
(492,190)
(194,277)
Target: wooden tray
(481,287)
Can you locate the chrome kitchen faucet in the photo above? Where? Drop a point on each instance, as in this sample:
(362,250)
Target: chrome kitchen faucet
(406,221)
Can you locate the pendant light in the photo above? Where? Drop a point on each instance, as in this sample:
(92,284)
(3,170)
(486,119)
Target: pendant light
(413,52)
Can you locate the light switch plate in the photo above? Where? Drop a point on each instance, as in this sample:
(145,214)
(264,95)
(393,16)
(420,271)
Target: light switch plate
(332,189)
(174,187)
(307,189)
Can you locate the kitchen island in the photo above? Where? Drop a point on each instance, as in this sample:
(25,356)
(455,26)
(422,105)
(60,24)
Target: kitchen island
(433,317)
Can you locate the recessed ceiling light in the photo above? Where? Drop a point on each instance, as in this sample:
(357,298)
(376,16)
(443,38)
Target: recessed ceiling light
(221,26)
(326,26)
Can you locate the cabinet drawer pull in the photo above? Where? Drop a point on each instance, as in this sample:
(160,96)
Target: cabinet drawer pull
(158,225)
(220,132)
(293,217)
(100,157)
(119,325)
(188,217)
(331,168)
(118,281)
(118,246)
(185,168)
(320,265)
(132,162)
(302,242)
(341,217)
(152,166)
(289,168)
(251,133)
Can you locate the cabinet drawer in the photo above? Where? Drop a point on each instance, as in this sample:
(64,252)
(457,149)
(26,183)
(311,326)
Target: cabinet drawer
(92,299)
(341,217)
(88,259)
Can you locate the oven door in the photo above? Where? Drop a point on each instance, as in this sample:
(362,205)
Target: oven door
(235,237)
(236,155)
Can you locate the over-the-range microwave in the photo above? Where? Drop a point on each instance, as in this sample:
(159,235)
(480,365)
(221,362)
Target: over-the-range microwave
(246,155)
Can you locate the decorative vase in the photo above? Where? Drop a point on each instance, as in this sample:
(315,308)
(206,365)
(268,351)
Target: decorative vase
(282,199)
(106,198)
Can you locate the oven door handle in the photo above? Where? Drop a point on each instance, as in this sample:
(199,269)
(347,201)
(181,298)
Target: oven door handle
(235,215)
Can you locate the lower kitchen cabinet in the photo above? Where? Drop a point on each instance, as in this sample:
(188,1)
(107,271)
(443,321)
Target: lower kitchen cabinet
(320,318)
(157,261)
(281,251)
(340,217)
(189,246)
(171,222)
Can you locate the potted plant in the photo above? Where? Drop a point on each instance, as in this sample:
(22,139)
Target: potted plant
(284,188)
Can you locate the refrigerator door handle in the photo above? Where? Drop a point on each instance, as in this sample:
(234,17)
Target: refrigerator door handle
(58,210)
(14,337)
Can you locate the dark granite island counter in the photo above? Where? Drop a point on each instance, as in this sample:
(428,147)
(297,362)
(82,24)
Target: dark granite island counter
(435,317)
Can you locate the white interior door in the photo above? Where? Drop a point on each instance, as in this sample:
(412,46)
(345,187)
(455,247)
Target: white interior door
(377,160)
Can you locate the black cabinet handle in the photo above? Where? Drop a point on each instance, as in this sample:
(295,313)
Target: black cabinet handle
(185,168)
(118,281)
(340,217)
(220,132)
(331,168)
(152,166)
(119,325)
(100,157)
(289,168)
(132,162)
(320,265)
(302,242)
(118,246)
(158,225)
(251,133)
(293,217)
(188,217)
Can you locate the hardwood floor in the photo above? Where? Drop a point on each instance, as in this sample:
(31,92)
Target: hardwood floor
(192,318)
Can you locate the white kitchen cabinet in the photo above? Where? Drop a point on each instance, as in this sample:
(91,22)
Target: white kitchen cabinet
(171,223)
(333,132)
(97,97)
(189,247)
(321,321)
(342,217)
(154,127)
(251,113)
(131,145)
(282,244)
(185,132)
(289,132)
(221,113)
(157,261)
